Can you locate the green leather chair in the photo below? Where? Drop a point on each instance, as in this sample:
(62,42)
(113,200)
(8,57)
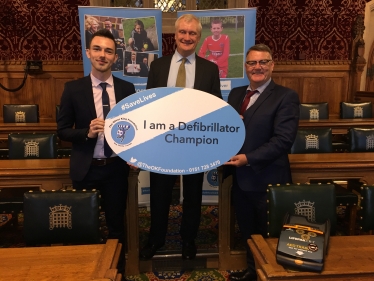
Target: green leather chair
(367,208)
(312,140)
(361,140)
(351,110)
(315,201)
(32,146)
(314,111)
(64,216)
(21,113)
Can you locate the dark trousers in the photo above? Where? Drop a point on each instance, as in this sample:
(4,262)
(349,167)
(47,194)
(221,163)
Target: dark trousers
(251,214)
(112,181)
(161,195)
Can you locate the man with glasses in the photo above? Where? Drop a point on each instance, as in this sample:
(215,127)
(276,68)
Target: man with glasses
(270,113)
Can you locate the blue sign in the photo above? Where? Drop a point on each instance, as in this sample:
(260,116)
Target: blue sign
(174,131)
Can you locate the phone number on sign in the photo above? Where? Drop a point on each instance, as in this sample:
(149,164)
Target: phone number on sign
(197,169)
(205,167)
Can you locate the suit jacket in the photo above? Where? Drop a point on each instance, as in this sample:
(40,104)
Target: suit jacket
(77,109)
(271,125)
(206,75)
(143,70)
(115,33)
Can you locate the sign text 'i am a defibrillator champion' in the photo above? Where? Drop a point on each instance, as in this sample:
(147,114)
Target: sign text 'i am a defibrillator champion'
(195,127)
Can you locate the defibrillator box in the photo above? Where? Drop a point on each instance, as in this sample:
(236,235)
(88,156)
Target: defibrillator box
(302,244)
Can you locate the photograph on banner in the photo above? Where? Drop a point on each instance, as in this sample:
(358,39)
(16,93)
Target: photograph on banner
(94,23)
(225,37)
(141,35)
(137,64)
(222,42)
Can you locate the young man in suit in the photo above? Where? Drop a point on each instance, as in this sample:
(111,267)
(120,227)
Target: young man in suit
(81,121)
(270,113)
(202,75)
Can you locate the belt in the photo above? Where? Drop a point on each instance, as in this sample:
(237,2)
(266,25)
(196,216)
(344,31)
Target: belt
(103,161)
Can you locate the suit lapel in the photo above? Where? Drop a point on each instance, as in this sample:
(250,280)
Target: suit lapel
(264,95)
(117,90)
(198,72)
(165,71)
(87,88)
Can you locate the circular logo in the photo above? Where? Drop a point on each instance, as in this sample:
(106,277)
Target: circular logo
(123,133)
(212,178)
(313,247)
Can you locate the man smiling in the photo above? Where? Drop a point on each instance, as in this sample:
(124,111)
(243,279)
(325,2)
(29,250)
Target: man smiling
(202,75)
(81,122)
(270,113)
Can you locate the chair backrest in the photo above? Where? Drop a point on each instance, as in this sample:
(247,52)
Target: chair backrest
(21,113)
(32,146)
(314,111)
(367,208)
(361,140)
(61,217)
(350,110)
(312,141)
(315,201)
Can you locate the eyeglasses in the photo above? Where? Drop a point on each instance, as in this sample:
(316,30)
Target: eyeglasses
(253,63)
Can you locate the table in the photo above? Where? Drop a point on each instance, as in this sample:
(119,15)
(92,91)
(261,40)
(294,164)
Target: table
(48,174)
(83,262)
(338,126)
(304,167)
(349,258)
(7,128)
(345,166)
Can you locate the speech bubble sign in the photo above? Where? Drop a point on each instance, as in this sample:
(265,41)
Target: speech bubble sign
(174,131)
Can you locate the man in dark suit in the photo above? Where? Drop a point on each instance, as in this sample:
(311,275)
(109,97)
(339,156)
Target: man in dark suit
(202,75)
(132,67)
(144,68)
(81,121)
(108,25)
(270,114)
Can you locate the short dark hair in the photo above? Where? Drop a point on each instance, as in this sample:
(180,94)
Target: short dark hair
(103,33)
(216,21)
(260,48)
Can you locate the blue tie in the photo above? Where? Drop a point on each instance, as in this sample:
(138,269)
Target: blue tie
(106,108)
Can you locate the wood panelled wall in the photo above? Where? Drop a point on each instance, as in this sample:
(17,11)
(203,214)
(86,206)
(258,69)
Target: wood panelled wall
(315,81)
(42,89)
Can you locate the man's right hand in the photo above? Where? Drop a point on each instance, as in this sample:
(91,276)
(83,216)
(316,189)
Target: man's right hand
(96,127)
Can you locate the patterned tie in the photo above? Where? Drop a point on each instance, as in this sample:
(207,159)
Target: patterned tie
(246,101)
(181,77)
(106,108)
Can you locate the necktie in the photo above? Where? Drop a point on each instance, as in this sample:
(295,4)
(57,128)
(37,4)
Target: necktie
(246,101)
(106,108)
(181,77)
